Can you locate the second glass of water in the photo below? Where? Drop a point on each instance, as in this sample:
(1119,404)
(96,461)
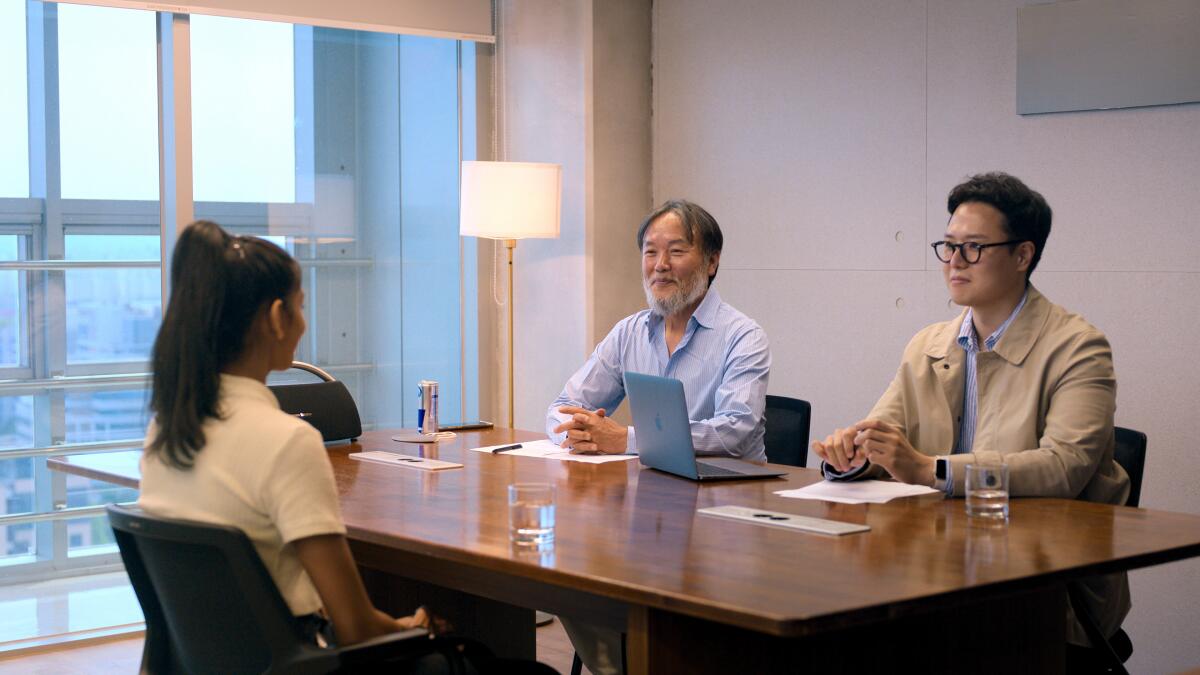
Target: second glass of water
(531,514)
(987,491)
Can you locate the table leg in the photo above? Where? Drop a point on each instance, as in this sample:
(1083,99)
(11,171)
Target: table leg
(637,642)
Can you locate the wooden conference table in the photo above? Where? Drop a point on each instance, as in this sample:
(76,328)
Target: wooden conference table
(927,587)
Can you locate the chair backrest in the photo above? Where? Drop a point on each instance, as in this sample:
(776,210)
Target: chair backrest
(326,405)
(210,604)
(1129,451)
(787,430)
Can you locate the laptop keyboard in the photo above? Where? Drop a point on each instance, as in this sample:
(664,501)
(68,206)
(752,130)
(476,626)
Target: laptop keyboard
(703,469)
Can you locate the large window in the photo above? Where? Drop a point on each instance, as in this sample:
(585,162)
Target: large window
(107,103)
(350,161)
(80,285)
(14,104)
(341,146)
(244,110)
(112,313)
(10,305)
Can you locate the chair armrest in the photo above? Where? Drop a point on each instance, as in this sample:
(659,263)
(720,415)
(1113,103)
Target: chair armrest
(406,644)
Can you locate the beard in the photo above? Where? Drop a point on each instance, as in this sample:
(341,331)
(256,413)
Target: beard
(687,292)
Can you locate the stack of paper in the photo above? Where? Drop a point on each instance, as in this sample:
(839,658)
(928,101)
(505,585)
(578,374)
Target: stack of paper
(547,450)
(857,492)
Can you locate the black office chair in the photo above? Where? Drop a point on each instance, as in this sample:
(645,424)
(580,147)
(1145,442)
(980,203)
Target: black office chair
(211,606)
(1129,450)
(327,405)
(787,430)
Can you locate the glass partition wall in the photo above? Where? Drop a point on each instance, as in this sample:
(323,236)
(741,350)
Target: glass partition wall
(341,146)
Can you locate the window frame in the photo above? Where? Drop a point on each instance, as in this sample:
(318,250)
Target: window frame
(44,220)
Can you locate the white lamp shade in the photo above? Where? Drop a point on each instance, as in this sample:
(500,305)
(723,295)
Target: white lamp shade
(510,200)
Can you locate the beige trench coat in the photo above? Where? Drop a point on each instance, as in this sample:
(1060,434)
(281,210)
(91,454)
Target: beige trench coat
(1047,395)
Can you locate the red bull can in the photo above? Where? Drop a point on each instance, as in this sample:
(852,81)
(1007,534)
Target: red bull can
(427,413)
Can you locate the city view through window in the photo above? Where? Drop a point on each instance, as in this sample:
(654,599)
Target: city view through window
(341,146)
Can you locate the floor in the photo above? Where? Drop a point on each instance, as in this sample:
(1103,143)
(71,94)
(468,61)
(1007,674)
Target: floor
(92,624)
(123,656)
(47,612)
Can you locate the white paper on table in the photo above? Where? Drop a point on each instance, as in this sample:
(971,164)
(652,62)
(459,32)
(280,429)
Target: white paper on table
(548,450)
(857,492)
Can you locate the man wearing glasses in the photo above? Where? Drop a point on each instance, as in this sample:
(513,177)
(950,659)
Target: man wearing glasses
(1014,379)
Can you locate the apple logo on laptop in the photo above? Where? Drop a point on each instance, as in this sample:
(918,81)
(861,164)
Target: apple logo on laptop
(658,422)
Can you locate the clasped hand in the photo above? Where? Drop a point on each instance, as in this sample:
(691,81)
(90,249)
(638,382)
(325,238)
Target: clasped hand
(882,444)
(423,619)
(592,432)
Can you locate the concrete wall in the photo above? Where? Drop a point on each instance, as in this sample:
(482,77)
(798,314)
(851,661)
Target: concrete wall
(620,142)
(572,87)
(619,139)
(824,136)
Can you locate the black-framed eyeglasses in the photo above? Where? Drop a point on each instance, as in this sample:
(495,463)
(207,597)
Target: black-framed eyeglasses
(969,250)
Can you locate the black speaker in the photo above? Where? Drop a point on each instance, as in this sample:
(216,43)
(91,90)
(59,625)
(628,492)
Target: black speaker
(327,406)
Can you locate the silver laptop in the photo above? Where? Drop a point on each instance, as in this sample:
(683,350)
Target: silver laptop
(664,436)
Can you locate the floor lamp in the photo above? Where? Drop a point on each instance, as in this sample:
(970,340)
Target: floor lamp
(510,201)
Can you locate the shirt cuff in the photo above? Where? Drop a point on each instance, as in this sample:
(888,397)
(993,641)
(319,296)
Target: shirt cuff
(553,419)
(958,485)
(630,441)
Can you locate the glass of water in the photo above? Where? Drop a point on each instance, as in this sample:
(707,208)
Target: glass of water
(531,514)
(987,491)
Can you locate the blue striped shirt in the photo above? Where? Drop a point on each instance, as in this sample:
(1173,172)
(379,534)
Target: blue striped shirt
(968,339)
(723,361)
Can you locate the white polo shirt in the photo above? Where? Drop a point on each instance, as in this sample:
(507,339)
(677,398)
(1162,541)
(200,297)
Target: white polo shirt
(260,470)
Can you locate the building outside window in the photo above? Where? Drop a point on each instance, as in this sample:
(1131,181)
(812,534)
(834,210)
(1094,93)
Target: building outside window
(341,146)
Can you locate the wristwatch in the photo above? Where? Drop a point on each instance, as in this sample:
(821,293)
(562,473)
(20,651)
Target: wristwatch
(941,473)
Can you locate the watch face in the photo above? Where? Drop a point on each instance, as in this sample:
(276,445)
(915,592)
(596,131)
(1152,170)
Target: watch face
(939,469)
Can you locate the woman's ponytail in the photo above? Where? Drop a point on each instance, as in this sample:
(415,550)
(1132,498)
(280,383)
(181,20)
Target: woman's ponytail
(218,285)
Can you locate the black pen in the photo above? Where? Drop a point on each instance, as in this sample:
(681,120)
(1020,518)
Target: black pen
(506,448)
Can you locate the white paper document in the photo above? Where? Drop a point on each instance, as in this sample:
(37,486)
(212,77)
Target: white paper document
(548,450)
(857,492)
(406,461)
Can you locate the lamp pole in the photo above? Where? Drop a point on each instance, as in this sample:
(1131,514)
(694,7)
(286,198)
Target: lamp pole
(511,244)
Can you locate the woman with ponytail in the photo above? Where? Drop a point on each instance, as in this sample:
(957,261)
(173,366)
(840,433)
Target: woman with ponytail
(220,450)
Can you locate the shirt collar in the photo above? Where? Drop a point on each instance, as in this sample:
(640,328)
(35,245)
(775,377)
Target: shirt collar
(236,386)
(706,312)
(969,340)
(966,333)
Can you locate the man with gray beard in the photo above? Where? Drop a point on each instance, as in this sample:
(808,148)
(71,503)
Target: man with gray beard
(688,334)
